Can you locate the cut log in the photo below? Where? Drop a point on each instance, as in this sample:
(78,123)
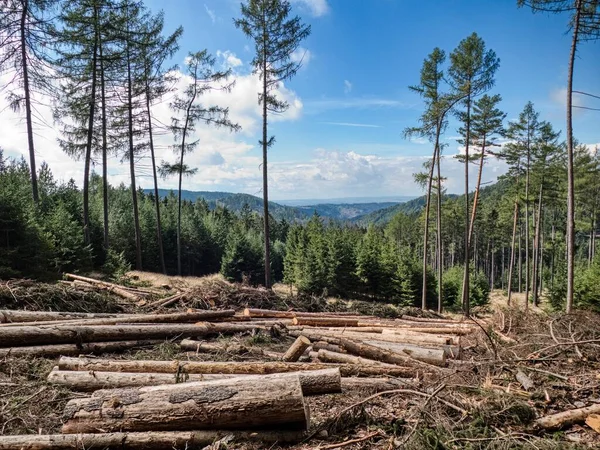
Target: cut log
(138,318)
(191,345)
(212,367)
(325,321)
(567,418)
(63,334)
(150,440)
(416,337)
(391,336)
(297,349)
(381,354)
(241,403)
(437,357)
(93,348)
(426,319)
(458,331)
(373,384)
(322,345)
(10,316)
(313,382)
(119,290)
(254,312)
(342,358)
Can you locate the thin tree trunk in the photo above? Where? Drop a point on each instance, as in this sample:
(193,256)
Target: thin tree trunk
(185,128)
(541,260)
(465,289)
(90,132)
(520,257)
(570,174)
(264,167)
(536,248)
(527,225)
(511,262)
(136,218)
(426,230)
(476,195)
(104,148)
(440,248)
(28,116)
(161,253)
(502,267)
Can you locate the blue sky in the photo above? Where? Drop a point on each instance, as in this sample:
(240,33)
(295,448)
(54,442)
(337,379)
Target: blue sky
(343,135)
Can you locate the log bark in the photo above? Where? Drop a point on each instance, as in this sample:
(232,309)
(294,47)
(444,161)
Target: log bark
(297,349)
(373,384)
(381,354)
(268,313)
(10,316)
(325,321)
(187,317)
(437,357)
(458,331)
(152,440)
(566,418)
(322,345)
(343,358)
(219,404)
(211,367)
(313,382)
(64,334)
(197,347)
(119,290)
(427,319)
(389,336)
(94,348)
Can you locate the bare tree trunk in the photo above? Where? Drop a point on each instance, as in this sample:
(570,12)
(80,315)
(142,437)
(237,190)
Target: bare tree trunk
(265,145)
(161,253)
(520,257)
(536,248)
(511,262)
(570,174)
(104,148)
(440,248)
(527,225)
(465,289)
(426,230)
(90,132)
(136,218)
(28,115)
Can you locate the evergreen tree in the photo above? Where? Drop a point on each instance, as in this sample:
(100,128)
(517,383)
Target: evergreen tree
(26,31)
(276,37)
(189,111)
(471,73)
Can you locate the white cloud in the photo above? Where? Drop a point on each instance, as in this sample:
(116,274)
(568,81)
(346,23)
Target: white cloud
(318,8)
(347,173)
(318,106)
(211,14)
(302,56)
(347,87)
(229,59)
(225,160)
(349,124)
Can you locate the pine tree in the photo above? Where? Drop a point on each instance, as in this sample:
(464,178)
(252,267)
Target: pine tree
(156,83)
(26,30)
(471,73)
(275,38)
(522,135)
(486,128)
(189,111)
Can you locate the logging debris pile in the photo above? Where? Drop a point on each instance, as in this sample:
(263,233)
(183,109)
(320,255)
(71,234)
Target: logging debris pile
(171,376)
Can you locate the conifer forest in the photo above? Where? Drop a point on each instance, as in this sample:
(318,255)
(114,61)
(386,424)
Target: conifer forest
(467,317)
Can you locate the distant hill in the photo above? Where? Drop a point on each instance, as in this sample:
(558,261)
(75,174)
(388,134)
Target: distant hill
(383,216)
(344,211)
(235,202)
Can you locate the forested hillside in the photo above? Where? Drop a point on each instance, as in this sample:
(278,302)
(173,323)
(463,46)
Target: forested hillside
(104,66)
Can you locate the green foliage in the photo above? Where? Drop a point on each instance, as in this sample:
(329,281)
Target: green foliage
(479,288)
(116,265)
(243,259)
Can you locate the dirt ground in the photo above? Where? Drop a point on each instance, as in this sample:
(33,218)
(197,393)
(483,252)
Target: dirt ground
(475,403)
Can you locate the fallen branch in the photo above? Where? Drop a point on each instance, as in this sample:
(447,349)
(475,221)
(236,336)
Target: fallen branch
(567,418)
(352,441)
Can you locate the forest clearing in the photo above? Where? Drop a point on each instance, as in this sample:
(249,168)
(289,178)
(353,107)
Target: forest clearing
(268,232)
(371,376)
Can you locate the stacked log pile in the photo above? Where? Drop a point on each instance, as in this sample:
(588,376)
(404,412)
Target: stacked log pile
(187,403)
